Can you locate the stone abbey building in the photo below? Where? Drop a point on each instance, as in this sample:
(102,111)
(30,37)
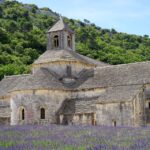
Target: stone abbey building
(65,87)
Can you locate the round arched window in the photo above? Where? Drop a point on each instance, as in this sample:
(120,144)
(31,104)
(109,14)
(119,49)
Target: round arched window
(69,41)
(22,113)
(56,41)
(42,113)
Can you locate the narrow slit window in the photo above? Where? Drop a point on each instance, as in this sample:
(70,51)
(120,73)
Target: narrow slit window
(42,113)
(115,123)
(148,105)
(69,40)
(56,41)
(22,114)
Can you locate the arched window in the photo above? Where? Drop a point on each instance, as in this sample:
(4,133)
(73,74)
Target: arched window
(69,40)
(56,41)
(22,114)
(42,113)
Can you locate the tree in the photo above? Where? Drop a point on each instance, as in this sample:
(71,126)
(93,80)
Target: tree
(26,26)
(11,26)
(22,39)
(1,12)
(3,36)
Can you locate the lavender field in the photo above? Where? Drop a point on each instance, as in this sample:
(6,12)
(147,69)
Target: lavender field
(53,137)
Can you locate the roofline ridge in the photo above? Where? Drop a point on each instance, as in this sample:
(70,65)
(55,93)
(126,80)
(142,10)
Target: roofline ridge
(9,76)
(93,59)
(60,19)
(135,63)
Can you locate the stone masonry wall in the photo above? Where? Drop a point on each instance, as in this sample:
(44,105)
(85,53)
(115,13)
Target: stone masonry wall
(4,111)
(32,104)
(54,103)
(114,114)
(139,110)
(76,67)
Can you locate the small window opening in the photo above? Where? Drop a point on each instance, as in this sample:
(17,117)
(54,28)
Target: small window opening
(148,105)
(42,113)
(56,41)
(69,40)
(114,123)
(22,114)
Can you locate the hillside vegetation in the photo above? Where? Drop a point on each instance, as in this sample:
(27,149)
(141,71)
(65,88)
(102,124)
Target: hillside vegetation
(22,39)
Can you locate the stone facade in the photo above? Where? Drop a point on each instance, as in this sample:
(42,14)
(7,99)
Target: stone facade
(115,114)
(68,88)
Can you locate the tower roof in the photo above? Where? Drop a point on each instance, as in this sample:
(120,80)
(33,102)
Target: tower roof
(60,25)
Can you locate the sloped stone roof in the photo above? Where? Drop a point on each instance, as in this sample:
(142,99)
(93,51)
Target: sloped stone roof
(60,25)
(126,74)
(93,61)
(119,93)
(47,79)
(111,95)
(120,81)
(8,83)
(66,55)
(117,75)
(41,80)
(103,77)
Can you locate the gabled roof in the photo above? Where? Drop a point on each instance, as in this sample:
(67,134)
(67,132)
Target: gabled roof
(66,55)
(60,25)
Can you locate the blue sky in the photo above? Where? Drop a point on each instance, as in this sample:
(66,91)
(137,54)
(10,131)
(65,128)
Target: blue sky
(130,16)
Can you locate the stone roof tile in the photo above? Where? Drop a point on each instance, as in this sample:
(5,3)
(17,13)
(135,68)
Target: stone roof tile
(9,83)
(120,93)
(66,55)
(60,25)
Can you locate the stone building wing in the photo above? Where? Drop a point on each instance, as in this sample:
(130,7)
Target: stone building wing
(119,94)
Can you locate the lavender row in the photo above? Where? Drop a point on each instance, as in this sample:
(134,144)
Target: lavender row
(54,137)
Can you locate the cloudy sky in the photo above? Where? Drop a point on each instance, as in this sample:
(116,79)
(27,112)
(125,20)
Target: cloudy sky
(130,16)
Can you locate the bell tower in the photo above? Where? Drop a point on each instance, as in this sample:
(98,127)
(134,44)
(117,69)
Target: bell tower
(60,37)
